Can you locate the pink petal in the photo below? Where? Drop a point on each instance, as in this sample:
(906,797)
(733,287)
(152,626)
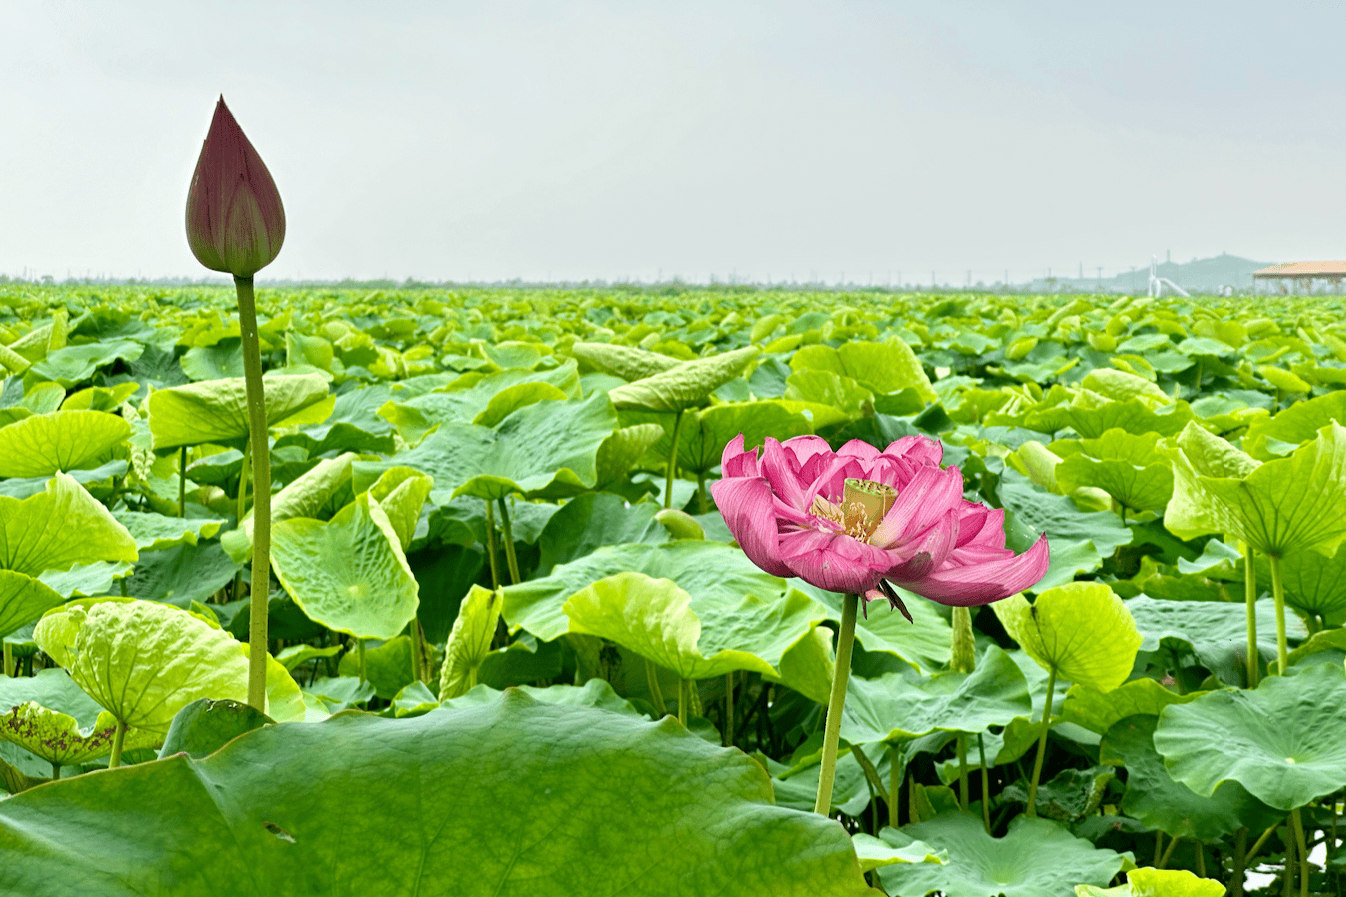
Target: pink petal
(986,532)
(930,495)
(921,449)
(735,462)
(985,582)
(833,561)
(746,505)
(858,448)
(928,552)
(781,469)
(806,447)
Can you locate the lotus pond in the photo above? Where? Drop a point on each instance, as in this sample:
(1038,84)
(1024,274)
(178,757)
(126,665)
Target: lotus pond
(515,649)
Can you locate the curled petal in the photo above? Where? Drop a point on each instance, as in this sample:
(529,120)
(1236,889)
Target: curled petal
(806,447)
(832,561)
(781,469)
(919,449)
(746,504)
(929,551)
(986,532)
(735,462)
(985,581)
(930,495)
(858,448)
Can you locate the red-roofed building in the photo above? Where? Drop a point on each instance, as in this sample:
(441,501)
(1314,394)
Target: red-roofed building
(1301,273)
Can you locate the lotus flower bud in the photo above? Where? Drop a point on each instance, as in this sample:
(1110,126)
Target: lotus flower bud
(235,221)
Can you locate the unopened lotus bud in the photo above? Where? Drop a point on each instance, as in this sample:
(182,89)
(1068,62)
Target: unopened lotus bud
(235,221)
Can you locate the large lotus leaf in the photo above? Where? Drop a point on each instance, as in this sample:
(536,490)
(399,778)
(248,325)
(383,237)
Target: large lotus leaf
(1150,882)
(1079,540)
(1290,504)
(1035,858)
(50,716)
(40,445)
(416,416)
(1082,630)
(923,642)
(141,660)
(626,362)
(895,707)
(1216,630)
(564,788)
(59,527)
(217,410)
(1161,803)
(1128,467)
(1091,416)
(717,576)
(469,641)
(658,620)
(621,450)
(1097,710)
(354,425)
(182,574)
(349,573)
(541,451)
(312,494)
(882,367)
(155,532)
(75,364)
(224,359)
(23,599)
(205,725)
(684,386)
(591,521)
(705,434)
(874,853)
(824,388)
(1298,423)
(1285,741)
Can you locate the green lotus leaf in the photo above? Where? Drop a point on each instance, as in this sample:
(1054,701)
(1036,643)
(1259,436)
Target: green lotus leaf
(206,725)
(155,532)
(1313,583)
(1036,857)
(293,656)
(1097,710)
(1287,505)
(685,385)
(402,493)
(313,351)
(1149,882)
(815,387)
(217,362)
(71,365)
(183,574)
(217,410)
(354,425)
(622,449)
(349,574)
(1285,741)
(1298,423)
(1092,417)
(658,620)
(1079,540)
(23,599)
(1082,630)
(705,434)
(576,780)
(387,666)
(484,401)
(1161,803)
(626,362)
(313,494)
(923,643)
(874,853)
(1121,386)
(1216,630)
(469,642)
(42,444)
(895,707)
(1128,467)
(50,716)
(58,528)
(542,451)
(143,661)
(594,520)
(885,368)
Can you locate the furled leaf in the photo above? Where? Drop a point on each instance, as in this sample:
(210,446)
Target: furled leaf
(626,362)
(684,386)
(469,641)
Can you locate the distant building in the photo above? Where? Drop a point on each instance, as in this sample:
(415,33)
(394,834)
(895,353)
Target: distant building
(1299,276)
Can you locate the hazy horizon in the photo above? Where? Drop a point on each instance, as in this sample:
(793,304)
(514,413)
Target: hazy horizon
(607,141)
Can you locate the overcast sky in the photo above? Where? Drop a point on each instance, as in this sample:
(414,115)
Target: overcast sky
(572,140)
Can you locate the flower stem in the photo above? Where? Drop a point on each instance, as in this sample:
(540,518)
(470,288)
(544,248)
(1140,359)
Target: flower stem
(985,784)
(656,695)
(832,730)
(261,485)
(1302,849)
(417,674)
(672,461)
(894,783)
(1278,593)
(241,508)
(728,709)
(360,653)
(962,770)
(1042,744)
(118,739)
(490,545)
(182,482)
(510,557)
(1250,602)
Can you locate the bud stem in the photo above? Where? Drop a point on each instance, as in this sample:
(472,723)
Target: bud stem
(261,494)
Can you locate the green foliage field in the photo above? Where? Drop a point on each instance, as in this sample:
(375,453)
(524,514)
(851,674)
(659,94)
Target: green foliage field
(499,666)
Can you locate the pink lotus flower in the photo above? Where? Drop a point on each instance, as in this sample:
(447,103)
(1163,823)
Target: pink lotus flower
(859,519)
(235,221)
